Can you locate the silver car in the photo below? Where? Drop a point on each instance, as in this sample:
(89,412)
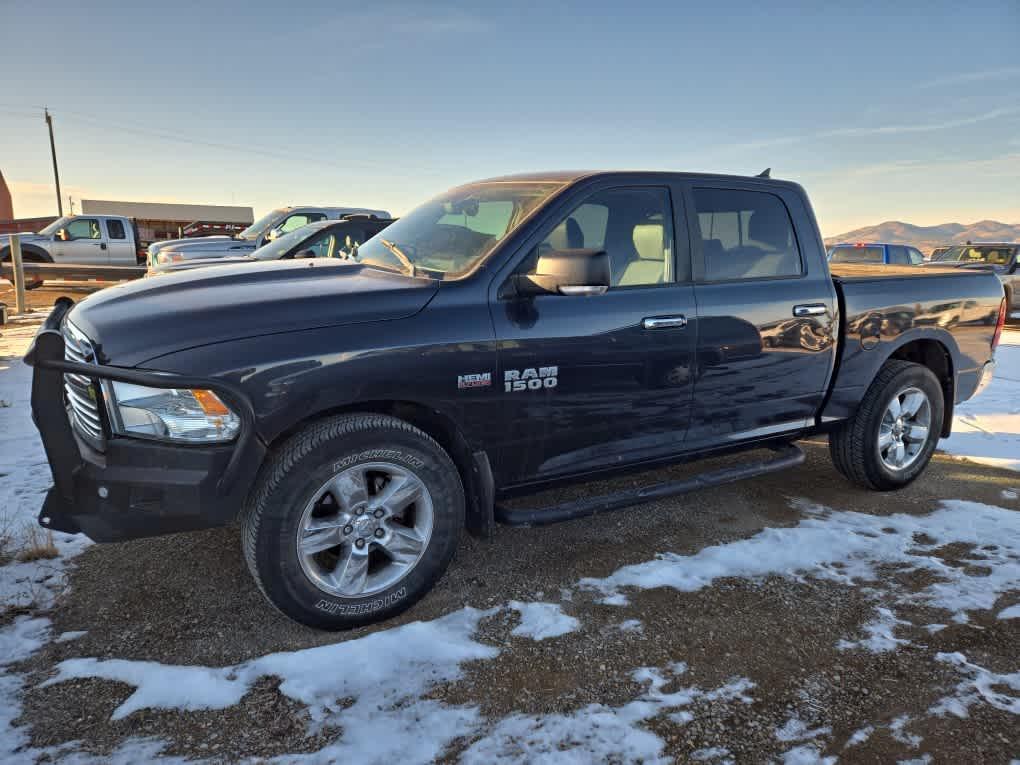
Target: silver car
(1000,257)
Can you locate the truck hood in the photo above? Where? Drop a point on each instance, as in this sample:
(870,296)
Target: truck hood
(5,239)
(174,243)
(192,263)
(211,244)
(968,265)
(138,321)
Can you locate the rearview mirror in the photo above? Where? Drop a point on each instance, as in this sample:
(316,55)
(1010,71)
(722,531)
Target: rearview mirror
(61,235)
(579,272)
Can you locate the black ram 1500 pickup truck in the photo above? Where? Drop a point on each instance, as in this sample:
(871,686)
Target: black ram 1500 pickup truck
(505,336)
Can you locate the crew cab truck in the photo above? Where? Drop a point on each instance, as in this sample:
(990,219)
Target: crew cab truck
(273,224)
(107,240)
(504,337)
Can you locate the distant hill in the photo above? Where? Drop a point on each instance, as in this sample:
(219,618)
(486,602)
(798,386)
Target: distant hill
(927,238)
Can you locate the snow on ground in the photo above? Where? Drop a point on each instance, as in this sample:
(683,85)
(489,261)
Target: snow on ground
(986,429)
(542,620)
(24,478)
(846,546)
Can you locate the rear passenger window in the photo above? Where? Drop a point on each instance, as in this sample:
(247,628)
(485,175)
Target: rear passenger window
(745,235)
(898,256)
(115,229)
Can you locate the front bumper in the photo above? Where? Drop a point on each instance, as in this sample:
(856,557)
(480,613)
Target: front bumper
(134,488)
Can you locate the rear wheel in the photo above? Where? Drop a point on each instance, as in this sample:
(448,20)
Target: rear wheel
(354,519)
(891,437)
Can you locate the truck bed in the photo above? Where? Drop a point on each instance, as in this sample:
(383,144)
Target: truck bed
(858,272)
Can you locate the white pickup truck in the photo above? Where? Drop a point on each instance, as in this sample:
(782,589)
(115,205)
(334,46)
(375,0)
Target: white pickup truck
(276,223)
(107,240)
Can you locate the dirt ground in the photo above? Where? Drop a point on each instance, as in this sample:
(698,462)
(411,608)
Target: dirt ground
(188,599)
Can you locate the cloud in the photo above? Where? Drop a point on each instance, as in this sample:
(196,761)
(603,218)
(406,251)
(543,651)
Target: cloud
(968,77)
(921,127)
(875,130)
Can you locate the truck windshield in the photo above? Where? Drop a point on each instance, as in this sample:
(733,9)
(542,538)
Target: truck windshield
(449,234)
(856,254)
(996,255)
(56,225)
(260,226)
(277,248)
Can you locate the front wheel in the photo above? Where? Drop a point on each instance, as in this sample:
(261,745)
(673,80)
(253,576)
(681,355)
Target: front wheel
(354,519)
(890,439)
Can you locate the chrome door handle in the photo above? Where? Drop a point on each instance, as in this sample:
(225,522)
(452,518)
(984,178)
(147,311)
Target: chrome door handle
(664,322)
(815,309)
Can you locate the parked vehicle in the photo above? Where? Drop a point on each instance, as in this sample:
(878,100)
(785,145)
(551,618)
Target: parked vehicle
(270,226)
(108,240)
(1000,257)
(324,239)
(507,336)
(876,252)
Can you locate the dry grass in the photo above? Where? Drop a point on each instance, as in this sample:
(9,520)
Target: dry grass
(6,540)
(38,545)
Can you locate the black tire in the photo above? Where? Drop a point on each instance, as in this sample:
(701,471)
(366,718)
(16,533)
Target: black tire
(293,475)
(27,256)
(854,445)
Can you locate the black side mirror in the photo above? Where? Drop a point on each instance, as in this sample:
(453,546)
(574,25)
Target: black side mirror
(581,272)
(306,254)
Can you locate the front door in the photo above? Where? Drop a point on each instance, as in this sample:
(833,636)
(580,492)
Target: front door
(83,243)
(766,314)
(590,382)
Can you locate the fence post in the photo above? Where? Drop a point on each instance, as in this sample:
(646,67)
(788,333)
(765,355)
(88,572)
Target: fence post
(19,274)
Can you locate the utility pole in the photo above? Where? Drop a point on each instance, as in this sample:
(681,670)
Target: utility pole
(53,151)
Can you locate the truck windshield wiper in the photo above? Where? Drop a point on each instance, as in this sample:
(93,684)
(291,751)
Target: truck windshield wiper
(411,269)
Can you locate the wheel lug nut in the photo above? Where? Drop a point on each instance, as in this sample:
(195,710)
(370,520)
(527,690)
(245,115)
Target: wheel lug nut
(379,532)
(359,543)
(348,529)
(359,511)
(379,513)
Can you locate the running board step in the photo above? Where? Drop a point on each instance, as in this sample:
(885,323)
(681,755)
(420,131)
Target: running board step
(787,456)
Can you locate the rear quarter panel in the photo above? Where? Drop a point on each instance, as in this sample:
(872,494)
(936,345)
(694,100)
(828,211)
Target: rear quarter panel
(886,308)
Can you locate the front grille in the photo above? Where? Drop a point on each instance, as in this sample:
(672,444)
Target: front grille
(82,393)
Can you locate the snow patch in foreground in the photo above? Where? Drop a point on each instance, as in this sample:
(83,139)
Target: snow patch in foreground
(847,547)
(980,685)
(542,620)
(386,675)
(598,733)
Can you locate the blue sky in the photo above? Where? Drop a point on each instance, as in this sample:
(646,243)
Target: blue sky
(907,111)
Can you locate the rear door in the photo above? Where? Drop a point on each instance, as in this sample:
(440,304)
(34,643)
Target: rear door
(592,382)
(120,246)
(766,312)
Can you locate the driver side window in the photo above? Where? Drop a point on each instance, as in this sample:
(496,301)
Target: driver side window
(633,225)
(83,228)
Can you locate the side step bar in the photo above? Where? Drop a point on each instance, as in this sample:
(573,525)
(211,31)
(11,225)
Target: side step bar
(787,456)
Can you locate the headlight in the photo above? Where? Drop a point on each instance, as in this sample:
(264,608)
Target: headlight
(171,414)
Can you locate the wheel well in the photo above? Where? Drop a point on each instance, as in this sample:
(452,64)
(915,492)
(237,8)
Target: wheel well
(29,254)
(446,433)
(935,356)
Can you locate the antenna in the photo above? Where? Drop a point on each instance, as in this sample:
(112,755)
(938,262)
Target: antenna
(766,173)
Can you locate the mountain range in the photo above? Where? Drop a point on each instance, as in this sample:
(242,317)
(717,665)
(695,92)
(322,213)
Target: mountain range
(927,238)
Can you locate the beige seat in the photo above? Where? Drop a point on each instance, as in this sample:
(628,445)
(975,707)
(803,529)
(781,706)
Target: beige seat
(649,267)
